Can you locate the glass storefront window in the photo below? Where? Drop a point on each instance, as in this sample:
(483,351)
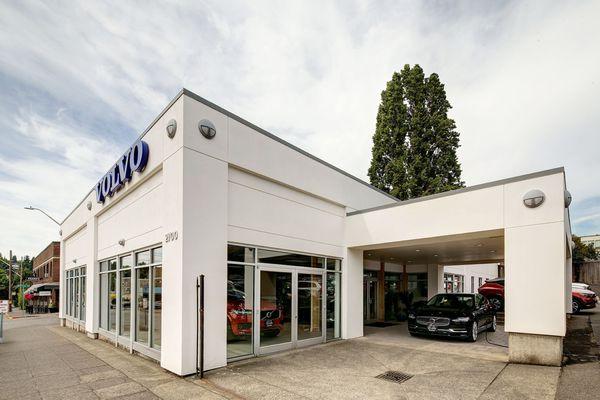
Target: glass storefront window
(275,307)
(104,301)
(125,304)
(333,264)
(240,305)
(157,255)
(82,314)
(112,310)
(142,280)
(310,294)
(240,254)
(284,258)
(142,258)
(156,306)
(334,305)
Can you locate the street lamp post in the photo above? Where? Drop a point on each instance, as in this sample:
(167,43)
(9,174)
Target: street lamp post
(43,212)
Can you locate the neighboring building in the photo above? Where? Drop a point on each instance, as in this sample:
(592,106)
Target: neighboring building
(593,239)
(284,241)
(44,293)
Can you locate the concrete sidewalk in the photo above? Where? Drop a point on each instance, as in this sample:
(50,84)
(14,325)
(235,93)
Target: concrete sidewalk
(40,360)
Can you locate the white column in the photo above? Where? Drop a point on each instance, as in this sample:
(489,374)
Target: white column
(435,279)
(352,294)
(92,281)
(568,286)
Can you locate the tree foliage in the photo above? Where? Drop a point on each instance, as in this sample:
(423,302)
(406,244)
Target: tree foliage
(583,252)
(415,142)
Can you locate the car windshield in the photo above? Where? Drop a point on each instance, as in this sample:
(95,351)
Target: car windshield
(452,301)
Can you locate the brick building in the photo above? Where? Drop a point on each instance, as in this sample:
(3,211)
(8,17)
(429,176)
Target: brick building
(44,294)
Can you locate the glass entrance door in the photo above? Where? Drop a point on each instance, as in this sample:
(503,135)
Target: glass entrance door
(291,310)
(369,299)
(275,312)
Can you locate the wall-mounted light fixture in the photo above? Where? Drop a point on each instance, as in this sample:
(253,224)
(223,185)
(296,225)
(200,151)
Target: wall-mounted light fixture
(207,129)
(89,205)
(171,128)
(534,198)
(568,198)
(74,261)
(122,242)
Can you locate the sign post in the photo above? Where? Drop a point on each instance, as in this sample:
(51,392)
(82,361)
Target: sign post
(3,310)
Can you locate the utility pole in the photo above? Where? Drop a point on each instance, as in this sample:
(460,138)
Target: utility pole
(10,282)
(21,285)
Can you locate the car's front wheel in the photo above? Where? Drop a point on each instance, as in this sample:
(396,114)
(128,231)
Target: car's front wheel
(576,306)
(474,332)
(492,327)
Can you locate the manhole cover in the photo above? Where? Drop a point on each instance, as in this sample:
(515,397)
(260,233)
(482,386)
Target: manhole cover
(394,376)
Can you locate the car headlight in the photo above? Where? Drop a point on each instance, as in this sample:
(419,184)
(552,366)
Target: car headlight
(461,319)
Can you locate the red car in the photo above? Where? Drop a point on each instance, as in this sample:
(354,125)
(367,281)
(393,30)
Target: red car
(583,299)
(239,319)
(493,290)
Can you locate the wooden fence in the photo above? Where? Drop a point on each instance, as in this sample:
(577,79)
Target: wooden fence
(590,272)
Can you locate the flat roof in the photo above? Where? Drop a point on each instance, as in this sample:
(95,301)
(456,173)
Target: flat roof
(239,119)
(463,190)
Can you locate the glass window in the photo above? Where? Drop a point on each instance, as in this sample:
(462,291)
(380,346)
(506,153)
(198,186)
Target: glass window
(275,307)
(103,266)
(112,265)
(82,314)
(142,280)
(334,304)
(126,262)
(104,301)
(310,295)
(481,281)
(472,284)
(125,304)
(283,258)
(157,255)
(112,310)
(156,306)
(76,299)
(240,304)
(142,258)
(240,254)
(334,265)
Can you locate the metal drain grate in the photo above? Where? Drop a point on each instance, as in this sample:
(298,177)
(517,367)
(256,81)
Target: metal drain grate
(394,376)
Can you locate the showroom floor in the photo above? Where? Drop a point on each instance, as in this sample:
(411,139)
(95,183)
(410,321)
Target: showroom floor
(348,369)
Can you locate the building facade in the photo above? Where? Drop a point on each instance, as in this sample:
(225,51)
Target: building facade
(283,240)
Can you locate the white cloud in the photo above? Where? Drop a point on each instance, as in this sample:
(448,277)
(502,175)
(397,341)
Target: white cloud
(521,77)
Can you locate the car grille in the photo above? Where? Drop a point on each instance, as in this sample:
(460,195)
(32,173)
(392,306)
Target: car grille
(269,314)
(436,321)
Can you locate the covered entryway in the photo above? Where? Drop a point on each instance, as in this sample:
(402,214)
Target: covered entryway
(490,223)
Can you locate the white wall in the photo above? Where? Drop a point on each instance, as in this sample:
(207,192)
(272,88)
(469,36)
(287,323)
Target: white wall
(483,271)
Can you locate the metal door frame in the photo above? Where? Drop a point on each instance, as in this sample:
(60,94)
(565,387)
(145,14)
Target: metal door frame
(367,317)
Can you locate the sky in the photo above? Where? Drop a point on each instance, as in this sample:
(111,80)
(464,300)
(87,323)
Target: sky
(79,81)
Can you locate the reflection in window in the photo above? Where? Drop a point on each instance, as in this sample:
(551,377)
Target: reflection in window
(310,293)
(112,310)
(156,306)
(125,312)
(334,304)
(240,300)
(283,258)
(104,301)
(240,254)
(142,305)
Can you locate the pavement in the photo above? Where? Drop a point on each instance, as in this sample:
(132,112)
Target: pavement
(40,360)
(580,377)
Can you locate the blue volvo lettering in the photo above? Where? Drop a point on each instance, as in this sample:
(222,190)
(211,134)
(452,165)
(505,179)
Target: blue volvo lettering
(134,159)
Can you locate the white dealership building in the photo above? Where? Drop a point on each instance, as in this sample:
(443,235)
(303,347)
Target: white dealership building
(285,242)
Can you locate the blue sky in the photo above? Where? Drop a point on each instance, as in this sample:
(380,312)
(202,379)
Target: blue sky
(80,80)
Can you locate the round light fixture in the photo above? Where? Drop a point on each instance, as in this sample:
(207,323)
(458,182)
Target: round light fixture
(534,198)
(89,205)
(568,198)
(122,242)
(207,129)
(171,128)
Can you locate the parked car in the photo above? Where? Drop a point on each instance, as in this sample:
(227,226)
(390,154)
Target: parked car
(493,290)
(461,315)
(239,319)
(583,299)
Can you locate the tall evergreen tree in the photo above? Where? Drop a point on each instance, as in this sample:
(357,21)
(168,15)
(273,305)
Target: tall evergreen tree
(415,143)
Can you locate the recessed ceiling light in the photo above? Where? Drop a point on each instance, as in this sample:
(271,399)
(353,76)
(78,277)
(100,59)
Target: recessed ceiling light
(368,254)
(492,251)
(435,255)
(418,250)
(391,258)
(409,261)
(479,245)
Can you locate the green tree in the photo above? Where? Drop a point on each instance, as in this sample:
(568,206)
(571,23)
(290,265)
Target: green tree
(582,252)
(415,142)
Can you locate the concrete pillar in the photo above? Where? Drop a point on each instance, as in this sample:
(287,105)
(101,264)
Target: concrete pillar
(435,279)
(352,292)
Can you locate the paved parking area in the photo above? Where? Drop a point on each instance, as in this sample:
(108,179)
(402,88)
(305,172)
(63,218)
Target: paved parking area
(441,369)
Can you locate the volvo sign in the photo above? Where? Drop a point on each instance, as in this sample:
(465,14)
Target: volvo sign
(134,159)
